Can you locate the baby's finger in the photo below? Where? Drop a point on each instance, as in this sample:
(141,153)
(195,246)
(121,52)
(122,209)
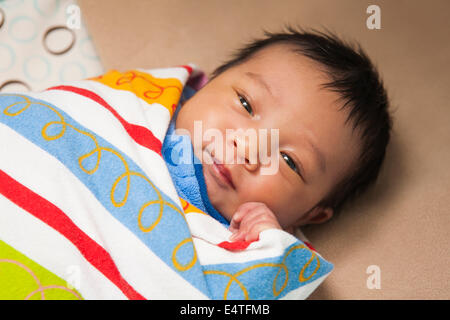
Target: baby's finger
(238,217)
(253,233)
(252,236)
(254,228)
(237,236)
(254,217)
(243,210)
(234,225)
(245,225)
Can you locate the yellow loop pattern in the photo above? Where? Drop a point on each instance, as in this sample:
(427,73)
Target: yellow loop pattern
(127,174)
(281,267)
(174,256)
(233,278)
(144,86)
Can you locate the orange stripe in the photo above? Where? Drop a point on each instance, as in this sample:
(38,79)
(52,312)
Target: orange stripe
(150,89)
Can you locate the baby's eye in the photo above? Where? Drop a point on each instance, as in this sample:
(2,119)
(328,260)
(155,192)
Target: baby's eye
(246,105)
(290,162)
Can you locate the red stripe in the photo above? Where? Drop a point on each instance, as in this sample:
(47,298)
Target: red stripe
(309,246)
(140,134)
(58,220)
(188,68)
(235,246)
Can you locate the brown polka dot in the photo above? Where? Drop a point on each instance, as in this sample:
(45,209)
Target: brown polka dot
(62,50)
(14,82)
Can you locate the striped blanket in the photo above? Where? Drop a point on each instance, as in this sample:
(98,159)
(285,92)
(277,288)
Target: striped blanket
(88,209)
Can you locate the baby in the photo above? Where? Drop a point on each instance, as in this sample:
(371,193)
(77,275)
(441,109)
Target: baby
(331,111)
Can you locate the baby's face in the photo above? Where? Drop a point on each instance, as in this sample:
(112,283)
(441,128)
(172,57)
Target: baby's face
(276,89)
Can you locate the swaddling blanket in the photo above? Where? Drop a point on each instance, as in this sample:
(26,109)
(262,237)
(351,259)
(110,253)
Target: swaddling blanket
(88,209)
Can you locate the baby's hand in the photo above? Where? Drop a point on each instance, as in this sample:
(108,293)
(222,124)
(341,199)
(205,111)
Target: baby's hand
(250,219)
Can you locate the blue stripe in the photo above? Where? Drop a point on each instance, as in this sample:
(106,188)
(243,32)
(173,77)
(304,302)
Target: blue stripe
(259,282)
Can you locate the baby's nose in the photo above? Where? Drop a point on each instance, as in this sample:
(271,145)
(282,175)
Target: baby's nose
(247,151)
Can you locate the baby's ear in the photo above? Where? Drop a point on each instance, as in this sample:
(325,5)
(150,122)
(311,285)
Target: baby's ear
(316,215)
(323,215)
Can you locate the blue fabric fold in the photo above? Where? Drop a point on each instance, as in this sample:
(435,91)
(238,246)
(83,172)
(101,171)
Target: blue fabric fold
(185,168)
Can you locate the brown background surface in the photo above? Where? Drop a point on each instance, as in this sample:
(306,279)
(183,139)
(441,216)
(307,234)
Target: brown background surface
(402,224)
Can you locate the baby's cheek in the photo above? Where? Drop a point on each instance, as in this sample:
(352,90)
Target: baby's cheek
(279,196)
(265,188)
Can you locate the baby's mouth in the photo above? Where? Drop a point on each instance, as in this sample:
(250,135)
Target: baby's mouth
(221,170)
(224,172)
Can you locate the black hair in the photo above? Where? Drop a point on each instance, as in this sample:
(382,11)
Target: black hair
(356,80)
